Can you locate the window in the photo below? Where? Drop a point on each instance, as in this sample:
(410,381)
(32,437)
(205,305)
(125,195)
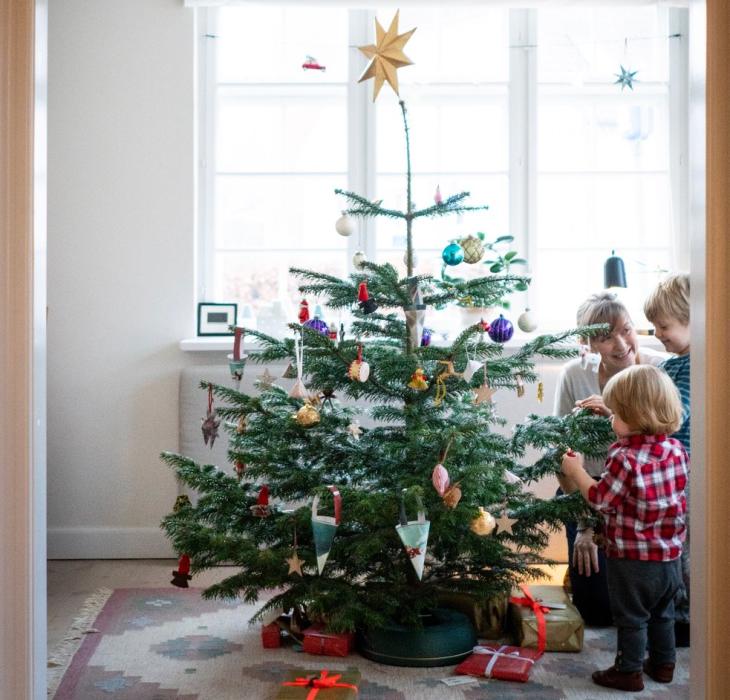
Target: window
(519,107)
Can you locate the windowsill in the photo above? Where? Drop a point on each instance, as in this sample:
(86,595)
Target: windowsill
(225,344)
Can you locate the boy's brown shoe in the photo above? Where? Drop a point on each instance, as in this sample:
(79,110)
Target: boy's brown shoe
(631,681)
(661,673)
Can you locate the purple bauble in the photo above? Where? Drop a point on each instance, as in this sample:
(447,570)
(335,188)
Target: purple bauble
(426,337)
(317,324)
(501,330)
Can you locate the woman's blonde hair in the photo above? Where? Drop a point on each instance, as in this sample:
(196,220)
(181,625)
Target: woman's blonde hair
(601,308)
(670,298)
(646,399)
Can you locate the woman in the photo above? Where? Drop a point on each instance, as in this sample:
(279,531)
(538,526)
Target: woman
(581,387)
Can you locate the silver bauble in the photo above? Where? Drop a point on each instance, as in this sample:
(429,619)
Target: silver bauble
(344,226)
(526,322)
(358,259)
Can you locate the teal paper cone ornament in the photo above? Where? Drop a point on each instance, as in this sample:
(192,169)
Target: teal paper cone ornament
(414,536)
(324,528)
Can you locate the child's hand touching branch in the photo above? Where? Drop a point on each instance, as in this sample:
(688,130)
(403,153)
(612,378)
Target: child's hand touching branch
(572,469)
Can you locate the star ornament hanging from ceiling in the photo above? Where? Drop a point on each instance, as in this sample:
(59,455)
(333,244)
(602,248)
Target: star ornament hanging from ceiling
(386,56)
(626,78)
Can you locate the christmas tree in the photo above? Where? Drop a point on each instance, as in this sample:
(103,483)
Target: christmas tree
(362,526)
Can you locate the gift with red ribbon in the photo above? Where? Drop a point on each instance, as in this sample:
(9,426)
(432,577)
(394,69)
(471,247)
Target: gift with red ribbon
(318,641)
(503,662)
(544,619)
(320,685)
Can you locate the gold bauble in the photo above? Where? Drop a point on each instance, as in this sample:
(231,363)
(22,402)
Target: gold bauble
(473,249)
(307,416)
(483,524)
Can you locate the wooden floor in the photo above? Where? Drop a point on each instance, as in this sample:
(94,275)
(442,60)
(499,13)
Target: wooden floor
(71,582)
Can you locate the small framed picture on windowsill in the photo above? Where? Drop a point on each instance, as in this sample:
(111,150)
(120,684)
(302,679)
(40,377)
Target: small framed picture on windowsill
(215,319)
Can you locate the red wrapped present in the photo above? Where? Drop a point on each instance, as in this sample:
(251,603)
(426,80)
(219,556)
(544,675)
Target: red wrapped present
(271,636)
(317,641)
(505,663)
(322,685)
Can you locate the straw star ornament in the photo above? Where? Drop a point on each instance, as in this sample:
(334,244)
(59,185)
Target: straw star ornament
(386,56)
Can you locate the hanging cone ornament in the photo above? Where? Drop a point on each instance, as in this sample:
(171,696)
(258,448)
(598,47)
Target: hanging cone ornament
(520,386)
(324,528)
(418,380)
(414,536)
(211,422)
(332,332)
(303,311)
(473,249)
(540,392)
(298,391)
(426,337)
(511,477)
(358,370)
(437,197)
(415,314)
(181,577)
(472,366)
(240,468)
(440,479)
(261,509)
(367,304)
(237,360)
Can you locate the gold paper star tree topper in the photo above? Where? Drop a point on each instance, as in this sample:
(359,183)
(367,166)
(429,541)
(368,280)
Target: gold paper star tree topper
(386,56)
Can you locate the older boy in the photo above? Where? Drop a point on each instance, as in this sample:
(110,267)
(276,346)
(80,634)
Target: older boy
(668,309)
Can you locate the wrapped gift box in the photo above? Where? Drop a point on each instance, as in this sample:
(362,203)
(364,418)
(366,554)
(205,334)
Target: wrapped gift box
(489,618)
(503,662)
(563,623)
(271,636)
(300,684)
(317,641)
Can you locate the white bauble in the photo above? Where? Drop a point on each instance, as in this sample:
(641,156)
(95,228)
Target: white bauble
(358,259)
(414,258)
(526,322)
(344,226)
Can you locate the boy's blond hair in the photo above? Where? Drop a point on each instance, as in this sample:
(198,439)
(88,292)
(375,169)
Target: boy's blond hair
(646,399)
(670,299)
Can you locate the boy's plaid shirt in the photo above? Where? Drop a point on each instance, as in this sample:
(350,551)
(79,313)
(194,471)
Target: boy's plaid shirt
(641,494)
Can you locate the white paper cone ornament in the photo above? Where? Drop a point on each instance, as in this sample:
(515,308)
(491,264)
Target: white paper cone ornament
(237,359)
(414,536)
(324,528)
(298,391)
(526,322)
(344,226)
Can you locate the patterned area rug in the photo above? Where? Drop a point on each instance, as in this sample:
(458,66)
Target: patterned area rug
(170,644)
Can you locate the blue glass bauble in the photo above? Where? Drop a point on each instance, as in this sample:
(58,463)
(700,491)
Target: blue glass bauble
(452,254)
(317,324)
(501,329)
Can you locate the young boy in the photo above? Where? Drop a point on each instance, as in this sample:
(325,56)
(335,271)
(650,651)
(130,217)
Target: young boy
(668,309)
(641,495)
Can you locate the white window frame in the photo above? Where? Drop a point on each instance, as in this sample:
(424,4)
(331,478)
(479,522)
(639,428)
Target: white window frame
(522,167)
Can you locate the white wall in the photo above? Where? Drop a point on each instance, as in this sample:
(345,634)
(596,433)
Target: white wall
(120,267)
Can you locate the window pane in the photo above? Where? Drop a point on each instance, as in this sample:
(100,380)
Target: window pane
(265,290)
(280,132)
(280,212)
(269,44)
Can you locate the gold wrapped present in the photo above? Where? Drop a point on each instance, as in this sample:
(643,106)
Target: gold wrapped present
(543,618)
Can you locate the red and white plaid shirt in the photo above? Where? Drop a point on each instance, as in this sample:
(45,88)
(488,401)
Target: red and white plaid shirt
(641,495)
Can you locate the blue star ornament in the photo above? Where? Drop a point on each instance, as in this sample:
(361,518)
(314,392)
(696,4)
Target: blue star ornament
(626,78)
